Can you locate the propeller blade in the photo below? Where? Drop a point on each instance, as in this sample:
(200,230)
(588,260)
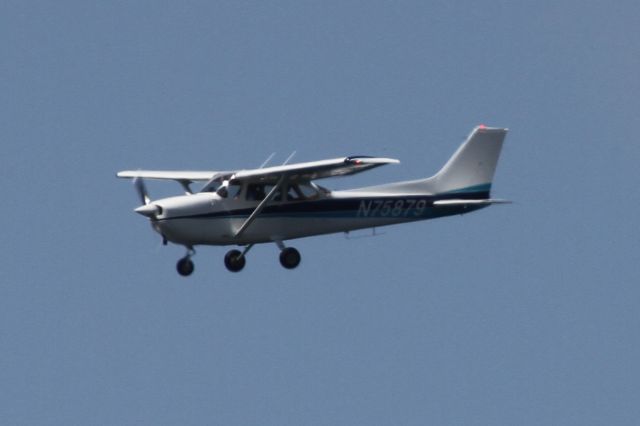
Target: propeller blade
(147,209)
(141,189)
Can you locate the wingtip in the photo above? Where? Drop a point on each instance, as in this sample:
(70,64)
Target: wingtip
(485,128)
(362,159)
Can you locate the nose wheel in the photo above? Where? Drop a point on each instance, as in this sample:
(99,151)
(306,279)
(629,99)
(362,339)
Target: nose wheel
(185,265)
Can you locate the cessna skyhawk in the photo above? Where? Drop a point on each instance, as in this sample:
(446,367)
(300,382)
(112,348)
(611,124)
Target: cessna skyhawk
(277,204)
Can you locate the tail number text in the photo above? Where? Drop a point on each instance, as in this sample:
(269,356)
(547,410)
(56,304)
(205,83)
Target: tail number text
(391,208)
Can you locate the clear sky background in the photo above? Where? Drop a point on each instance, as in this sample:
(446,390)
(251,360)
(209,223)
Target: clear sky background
(521,314)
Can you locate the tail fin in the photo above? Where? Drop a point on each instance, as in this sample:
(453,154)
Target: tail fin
(472,166)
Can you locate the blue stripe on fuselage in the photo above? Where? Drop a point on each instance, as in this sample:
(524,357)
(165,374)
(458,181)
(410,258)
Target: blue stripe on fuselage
(416,207)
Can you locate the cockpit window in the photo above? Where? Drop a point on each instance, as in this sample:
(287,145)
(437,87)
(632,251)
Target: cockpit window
(255,192)
(234,190)
(223,187)
(216,183)
(213,185)
(258,191)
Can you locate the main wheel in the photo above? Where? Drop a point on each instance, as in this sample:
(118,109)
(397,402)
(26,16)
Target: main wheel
(185,266)
(289,258)
(234,260)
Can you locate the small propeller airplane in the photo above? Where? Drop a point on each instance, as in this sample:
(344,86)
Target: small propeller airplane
(277,204)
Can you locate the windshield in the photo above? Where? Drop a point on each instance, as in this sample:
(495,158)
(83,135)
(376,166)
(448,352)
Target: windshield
(215,183)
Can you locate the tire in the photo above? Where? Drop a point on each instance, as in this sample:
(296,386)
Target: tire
(185,266)
(290,258)
(234,260)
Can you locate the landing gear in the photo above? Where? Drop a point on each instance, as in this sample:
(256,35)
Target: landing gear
(234,260)
(185,265)
(289,257)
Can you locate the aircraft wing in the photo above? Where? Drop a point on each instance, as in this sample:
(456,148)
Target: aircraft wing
(180,176)
(304,172)
(294,172)
(315,169)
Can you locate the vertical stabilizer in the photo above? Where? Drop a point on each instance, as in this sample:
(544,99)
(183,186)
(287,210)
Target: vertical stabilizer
(472,166)
(469,171)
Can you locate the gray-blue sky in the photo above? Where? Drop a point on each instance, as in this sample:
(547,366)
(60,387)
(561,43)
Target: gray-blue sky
(520,314)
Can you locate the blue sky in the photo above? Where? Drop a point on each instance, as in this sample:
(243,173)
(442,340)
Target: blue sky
(520,314)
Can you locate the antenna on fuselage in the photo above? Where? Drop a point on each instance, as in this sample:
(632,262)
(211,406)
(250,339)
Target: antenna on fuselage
(267,160)
(374,233)
(289,158)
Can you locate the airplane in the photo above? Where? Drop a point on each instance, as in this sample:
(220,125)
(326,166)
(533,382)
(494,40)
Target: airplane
(281,203)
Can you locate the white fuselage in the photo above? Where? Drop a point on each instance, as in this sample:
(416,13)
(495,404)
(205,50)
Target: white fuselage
(207,219)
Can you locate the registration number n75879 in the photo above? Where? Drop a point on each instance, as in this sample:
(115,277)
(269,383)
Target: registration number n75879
(391,208)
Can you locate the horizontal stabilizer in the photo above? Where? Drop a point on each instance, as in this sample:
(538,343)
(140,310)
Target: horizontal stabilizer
(467,202)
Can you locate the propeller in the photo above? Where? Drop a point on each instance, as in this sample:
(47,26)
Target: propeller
(141,189)
(147,208)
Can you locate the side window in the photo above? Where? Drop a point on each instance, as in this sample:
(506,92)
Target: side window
(234,190)
(255,192)
(304,191)
(258,191)
(267,189)
(308,191)
(293,193)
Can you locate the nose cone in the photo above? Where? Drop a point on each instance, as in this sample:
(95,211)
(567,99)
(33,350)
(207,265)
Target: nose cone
(148,210)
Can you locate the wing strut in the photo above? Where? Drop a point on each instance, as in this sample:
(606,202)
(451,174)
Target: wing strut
(185,184)
(260,207)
